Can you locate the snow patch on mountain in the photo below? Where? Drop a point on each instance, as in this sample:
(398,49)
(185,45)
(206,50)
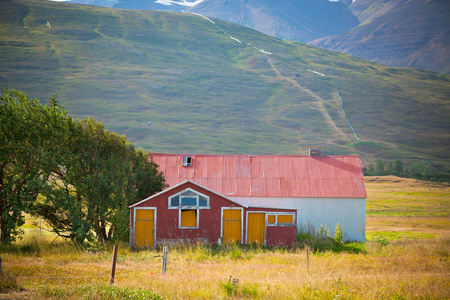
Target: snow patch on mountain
(182,2)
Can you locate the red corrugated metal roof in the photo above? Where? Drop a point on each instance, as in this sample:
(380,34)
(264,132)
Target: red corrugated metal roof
(268,175)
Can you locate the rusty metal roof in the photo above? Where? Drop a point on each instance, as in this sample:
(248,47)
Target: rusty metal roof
(268,175)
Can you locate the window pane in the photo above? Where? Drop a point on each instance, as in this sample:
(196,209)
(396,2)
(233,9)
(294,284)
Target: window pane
(285,219)
(202,201)
(188,218)
(189,201)
(271,219)
(187,161)
(188,194)
(175,201)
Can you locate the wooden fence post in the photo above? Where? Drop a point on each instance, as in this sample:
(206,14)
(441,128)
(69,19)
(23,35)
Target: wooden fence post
(164,261)
(113,267)
(307,259)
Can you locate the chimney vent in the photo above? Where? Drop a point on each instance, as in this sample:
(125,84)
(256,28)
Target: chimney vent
(316,150)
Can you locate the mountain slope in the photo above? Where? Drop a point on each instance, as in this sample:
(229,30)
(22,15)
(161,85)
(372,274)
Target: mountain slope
(209,86)
(398,33)
(166,5)
(300,21)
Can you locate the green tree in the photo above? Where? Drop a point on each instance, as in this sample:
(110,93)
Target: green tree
(145,182)
(398,167)
(29,133)
(379,168)
(88,198)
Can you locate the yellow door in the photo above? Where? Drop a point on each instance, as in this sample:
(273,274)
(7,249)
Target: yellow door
(232,226)
(188,218)
(256,228)
(144,231)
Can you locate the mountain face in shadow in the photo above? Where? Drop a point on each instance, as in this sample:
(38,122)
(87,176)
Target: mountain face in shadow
(300,21)
(398,33)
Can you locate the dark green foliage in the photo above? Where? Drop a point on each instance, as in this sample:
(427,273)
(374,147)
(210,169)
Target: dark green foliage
(30,248)
(379,169)
(29,135)
(102,174)
(87,176)
(433,172)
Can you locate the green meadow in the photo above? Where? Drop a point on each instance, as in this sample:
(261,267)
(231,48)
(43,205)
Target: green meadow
(219,87)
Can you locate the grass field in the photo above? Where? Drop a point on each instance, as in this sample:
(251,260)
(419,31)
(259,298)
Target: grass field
(406,257)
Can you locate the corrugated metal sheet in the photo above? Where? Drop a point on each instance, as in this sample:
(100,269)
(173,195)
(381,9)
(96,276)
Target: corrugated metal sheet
(268,176)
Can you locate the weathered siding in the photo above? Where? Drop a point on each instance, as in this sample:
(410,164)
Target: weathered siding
(210,224)
(167,223)
(313,212)
(281,235)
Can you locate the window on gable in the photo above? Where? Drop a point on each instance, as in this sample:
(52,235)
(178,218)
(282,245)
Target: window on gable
(203,201)
(175,201)
(189,199)
(280,219)
(189,202)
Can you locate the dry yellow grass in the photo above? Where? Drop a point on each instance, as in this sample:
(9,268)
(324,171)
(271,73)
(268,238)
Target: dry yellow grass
(407,205)
(391,267)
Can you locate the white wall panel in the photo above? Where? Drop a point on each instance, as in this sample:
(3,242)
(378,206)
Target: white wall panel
(313,212)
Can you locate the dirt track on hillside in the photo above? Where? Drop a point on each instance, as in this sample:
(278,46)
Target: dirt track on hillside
(318,100)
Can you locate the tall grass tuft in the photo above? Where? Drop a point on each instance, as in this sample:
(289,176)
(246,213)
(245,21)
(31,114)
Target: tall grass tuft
(235,252)
(100,292)
(9,283)
(229,288)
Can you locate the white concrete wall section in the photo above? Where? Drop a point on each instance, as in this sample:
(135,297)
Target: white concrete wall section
(350,213)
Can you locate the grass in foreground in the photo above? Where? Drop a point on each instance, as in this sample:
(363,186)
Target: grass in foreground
(400,269)
(406,257)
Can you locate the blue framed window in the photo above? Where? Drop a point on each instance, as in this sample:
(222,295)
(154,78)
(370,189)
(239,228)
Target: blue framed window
(189,199)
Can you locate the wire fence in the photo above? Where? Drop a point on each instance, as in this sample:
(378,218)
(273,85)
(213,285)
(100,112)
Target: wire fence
(92,276)
(113,267)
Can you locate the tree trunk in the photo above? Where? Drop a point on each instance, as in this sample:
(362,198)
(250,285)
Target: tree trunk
(103,229)
(110,232)
(5,236)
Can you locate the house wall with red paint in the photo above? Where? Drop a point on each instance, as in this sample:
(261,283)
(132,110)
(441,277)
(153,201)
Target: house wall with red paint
(167,225)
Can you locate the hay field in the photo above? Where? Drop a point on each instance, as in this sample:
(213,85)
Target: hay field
(406,257)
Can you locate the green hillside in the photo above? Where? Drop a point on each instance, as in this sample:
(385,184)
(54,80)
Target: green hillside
(213,88)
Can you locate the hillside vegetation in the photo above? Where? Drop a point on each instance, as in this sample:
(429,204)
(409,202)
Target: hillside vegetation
(209,86)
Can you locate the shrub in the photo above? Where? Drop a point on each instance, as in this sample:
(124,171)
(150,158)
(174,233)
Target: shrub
(338,234)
